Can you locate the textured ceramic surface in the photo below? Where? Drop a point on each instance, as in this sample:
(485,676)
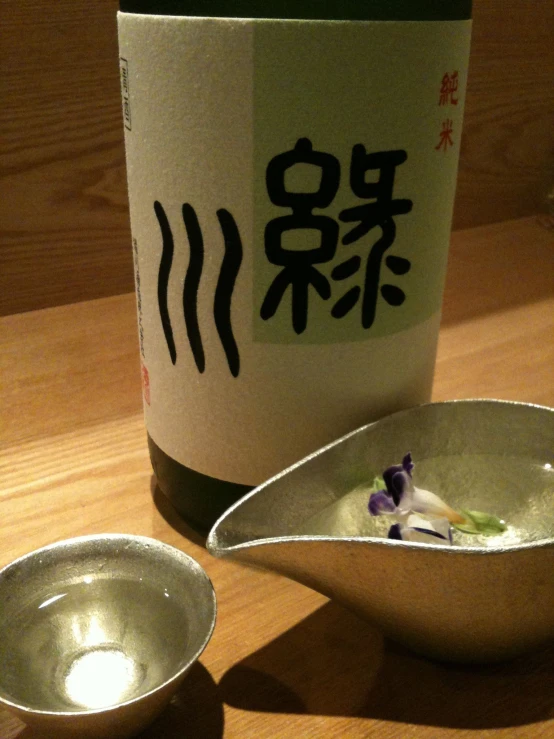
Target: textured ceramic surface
(480,600)
(96,633)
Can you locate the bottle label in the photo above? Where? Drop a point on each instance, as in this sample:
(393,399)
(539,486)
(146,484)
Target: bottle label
(291,186)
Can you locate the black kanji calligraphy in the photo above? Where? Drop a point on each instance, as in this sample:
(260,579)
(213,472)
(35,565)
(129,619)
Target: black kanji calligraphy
(379,212)
(228,274)
(299,271)
(300,267)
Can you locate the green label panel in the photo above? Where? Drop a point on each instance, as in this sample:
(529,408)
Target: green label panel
(356,140)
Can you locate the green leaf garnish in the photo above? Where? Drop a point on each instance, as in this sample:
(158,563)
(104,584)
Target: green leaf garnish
(378,484)
(478,522)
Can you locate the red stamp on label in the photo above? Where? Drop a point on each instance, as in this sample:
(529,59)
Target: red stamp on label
(145,383)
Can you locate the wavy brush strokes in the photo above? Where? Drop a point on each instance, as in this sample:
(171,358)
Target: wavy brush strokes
(163,277)
(230,267)
(192,283)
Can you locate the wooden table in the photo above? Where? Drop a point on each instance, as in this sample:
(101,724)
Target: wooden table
(283,661)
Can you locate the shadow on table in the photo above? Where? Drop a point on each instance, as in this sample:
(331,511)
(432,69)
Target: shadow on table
(334,664)
(195,711)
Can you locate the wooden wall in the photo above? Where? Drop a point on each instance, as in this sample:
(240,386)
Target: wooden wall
(64,234)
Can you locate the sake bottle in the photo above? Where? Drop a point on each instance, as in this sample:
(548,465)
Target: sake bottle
(291,170)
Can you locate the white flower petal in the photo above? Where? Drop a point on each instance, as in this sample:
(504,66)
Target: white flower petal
(423,501)
(440,525)
(409,534)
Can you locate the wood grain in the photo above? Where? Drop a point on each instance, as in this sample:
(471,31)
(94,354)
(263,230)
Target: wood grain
(507,158)
(283,661)
(64,234)
(64,220)
(76,365)
(517,254)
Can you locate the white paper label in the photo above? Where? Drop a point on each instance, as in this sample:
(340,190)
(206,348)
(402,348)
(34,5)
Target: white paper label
(291,187)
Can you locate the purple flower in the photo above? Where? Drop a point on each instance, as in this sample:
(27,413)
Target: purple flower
(398,478)
(381,502)
(421,515)
(395,531)
(398,481)
(408,498)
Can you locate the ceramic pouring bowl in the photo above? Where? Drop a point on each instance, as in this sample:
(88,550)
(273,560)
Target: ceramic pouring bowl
(482,599)
(97,633)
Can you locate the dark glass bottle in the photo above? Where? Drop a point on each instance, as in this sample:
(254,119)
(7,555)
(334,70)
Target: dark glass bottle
(358,10)
(200,497)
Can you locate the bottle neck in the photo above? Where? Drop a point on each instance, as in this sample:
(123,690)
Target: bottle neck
(418,10)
